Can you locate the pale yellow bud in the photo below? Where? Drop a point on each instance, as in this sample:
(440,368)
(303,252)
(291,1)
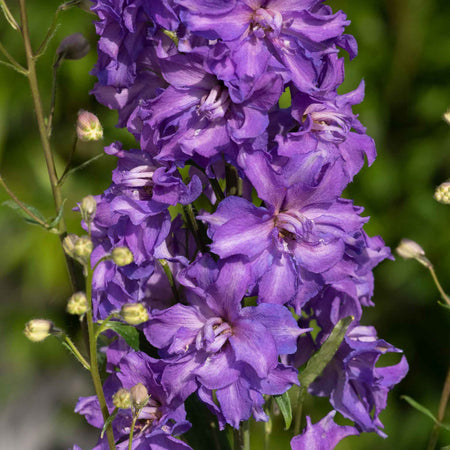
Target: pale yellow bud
(88,208)
(122,256)
(83,247)
(134,313)
(37,330)
(446,116)
(89,127)
(412,250)
(122,399)
(442,193)
(69,244)
(78,304)
(139,395)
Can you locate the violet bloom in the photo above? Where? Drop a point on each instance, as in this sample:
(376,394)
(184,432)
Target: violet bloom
(158,421)
(323,435)
(201,117)
(216,346)
(288,37)
(300,233)
(355,386)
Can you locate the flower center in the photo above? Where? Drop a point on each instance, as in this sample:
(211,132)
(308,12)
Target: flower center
(266,23)
(213,335)
(294,226)
(139,179)
(215,104)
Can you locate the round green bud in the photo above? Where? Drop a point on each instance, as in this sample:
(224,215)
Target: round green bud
(37,330)
(122,399)
(442,193)
(88,208)
(78,304)
(89,127)
(83,247)
(122,256)
(139,395)
(134,313)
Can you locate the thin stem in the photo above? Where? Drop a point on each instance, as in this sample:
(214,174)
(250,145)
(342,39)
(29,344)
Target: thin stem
(69,161)
(10,66)
(170,277)
(438,285)
(76,352)
(9,17)
(93,358)
(133,423)
(241,439)
(81,166)
(441,413)
(13,62)
(193,226)
(268,429)
(104,324)
(22,206)
(298,415)
(53,98)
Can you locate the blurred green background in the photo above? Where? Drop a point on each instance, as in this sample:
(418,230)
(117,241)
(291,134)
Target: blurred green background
(404,57)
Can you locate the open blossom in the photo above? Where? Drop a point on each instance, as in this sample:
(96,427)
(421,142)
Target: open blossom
(223,347)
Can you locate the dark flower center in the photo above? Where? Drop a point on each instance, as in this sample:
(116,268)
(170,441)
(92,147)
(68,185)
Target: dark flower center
(266,23)
(214,105)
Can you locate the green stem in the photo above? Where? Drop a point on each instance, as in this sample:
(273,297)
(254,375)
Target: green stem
(104,324)
(76,352)
(93,358)
(441,413)
(242,437)
(438,285)
(298,415)
(193,226)
(9,17)
(51,169)
(21,205)
(67,172)
(133,423)
(170,277)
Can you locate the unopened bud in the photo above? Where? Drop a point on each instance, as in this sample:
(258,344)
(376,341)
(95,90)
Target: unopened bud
(77,304)
(37,330)
(122,399)
(89,127)
(74,46)
(122,256)
(442,193)
(412,250)
(69,244)
(139,395)
(83,247)
(446,116)
(134,313)
(88,207)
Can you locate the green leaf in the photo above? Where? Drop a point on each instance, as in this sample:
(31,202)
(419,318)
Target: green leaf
(58,218)
(108,422)
(324,355)
(129,333)
(284,403)
(425,411)
(13,205)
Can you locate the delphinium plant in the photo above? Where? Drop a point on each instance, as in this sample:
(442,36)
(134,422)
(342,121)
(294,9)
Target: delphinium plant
(225,275)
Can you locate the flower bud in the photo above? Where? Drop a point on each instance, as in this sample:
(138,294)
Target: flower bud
(89,127)
(88,207)
(69,244)
(83,247)
(442,193)
(446,116)
(74,46)
(122,256)
(412,250)
(134,313)
(139,395)
(78,304)
(37,330)
(122,399)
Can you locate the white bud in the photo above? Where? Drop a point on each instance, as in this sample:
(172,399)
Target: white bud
(78,304)
(122,256)
(139,395)
(88,208)
(442,193)
(446,116)
(37,330)
(69,244)
(134,313)
(412,250)
(89,127)
(83,247)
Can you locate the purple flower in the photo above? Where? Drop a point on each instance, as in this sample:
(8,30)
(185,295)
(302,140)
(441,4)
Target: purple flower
(221,346)
(323,435)
(159,419)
